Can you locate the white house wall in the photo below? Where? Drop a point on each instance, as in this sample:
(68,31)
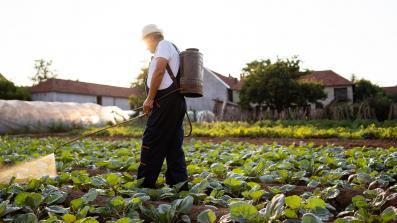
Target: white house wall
(108,101)
(236,97)
(50,96)
(63,97)
(79,98)
(329,91)
(350,93)
(122,103)
(213,88)
(119,102)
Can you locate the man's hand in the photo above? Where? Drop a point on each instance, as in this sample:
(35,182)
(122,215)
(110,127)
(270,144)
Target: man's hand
(147,105)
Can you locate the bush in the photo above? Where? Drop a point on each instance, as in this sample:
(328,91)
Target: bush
(9,91)
(381,105)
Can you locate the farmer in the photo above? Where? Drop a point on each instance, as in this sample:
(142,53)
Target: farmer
(163,136)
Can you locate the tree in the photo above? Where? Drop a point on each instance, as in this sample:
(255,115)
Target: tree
(276,85)
(43,71)
(9,91)
(310,92)
(364,89)
(367,92)
(139,83)
(353,78)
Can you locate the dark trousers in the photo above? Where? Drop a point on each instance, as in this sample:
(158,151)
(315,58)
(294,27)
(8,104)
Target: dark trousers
(162,139)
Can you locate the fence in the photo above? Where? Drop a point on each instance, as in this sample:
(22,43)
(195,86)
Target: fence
(228,111)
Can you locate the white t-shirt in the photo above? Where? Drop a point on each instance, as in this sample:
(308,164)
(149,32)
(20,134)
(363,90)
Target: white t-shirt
(166,50)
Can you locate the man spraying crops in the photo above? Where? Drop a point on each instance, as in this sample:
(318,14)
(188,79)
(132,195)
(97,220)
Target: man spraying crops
(163,136)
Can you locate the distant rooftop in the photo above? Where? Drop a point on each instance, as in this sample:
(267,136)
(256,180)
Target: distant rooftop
(77,87)
(326,77)
(234,83)
(392,91)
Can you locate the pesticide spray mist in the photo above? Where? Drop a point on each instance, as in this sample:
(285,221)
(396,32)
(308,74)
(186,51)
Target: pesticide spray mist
(34,169)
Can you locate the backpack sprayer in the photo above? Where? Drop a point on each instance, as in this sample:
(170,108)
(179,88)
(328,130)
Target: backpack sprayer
(190,85)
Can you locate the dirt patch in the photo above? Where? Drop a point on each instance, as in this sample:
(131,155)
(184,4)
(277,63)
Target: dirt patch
(340,202)
(196,210)
(101,201)
(91,172)
(344,199)
(391,203)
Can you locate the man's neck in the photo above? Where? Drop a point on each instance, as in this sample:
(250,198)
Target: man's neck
(158,41)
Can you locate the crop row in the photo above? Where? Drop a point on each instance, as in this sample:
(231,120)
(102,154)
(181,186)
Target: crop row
(270,129)
(228,182)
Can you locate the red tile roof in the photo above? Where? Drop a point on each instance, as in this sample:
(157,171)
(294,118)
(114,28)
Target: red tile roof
(233,82)
(77,87)
(392,91)
(326,77)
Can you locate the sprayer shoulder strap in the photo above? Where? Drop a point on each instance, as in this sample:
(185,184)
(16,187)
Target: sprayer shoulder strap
(170,73)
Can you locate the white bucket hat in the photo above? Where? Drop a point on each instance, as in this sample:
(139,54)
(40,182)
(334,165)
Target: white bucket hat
(151,28)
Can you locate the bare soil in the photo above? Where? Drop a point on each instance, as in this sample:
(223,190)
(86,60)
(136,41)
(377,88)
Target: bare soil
(92,172)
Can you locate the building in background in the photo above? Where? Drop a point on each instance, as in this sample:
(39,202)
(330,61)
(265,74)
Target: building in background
(216,88)
(391,92)
(81,92)
(336,87)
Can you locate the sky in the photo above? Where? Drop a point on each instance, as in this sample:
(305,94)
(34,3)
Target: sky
(99,41)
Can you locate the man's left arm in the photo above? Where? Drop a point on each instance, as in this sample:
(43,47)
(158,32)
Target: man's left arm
(158,74)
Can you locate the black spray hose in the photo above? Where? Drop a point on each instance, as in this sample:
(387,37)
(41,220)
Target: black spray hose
(124,122)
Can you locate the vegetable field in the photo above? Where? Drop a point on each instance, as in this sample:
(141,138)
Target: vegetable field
(229,182)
